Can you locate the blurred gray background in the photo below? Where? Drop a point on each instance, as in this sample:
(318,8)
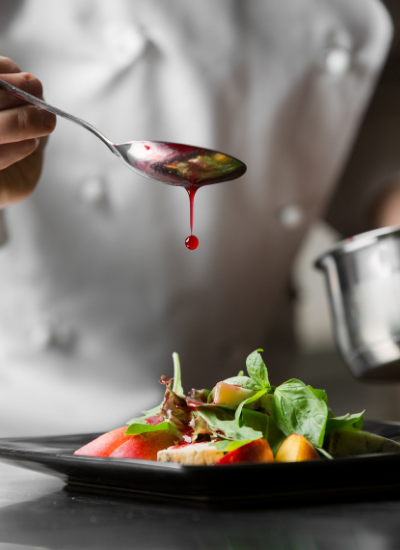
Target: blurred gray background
(376,153)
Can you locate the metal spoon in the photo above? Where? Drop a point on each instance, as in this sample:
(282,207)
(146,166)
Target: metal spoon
(170,163)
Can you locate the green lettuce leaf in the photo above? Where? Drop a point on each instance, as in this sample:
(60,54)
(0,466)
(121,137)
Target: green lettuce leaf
(176,388)
(324,453)
(275,435)
(256,420)
(223,424)
(340,422)
(177,384)
(246,402)
(140,426)
(150,412)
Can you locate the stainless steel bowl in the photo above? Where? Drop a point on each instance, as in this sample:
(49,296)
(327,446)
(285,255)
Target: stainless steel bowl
(363,280)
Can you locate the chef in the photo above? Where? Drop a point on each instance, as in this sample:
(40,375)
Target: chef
(96,286)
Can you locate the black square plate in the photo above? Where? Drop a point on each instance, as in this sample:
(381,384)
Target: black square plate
(54,456)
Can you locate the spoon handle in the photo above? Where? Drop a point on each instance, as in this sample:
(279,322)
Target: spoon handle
(43,105)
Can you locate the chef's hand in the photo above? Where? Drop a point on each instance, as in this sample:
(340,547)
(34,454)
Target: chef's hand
(23,131)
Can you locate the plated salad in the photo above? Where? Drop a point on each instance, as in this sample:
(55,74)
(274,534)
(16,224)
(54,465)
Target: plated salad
(242,419)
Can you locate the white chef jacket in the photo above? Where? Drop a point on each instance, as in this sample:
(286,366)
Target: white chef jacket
(96,286)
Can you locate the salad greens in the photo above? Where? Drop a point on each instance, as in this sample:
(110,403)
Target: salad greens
(140,426)
(296,408)
(340,422)
(257,370)
(163,417)
(224,426)
(247,401)
(177,384)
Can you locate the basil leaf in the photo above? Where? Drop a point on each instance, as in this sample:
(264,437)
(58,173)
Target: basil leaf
(246,402)
(297,410)
(243,382)
(256,420)
(321,394)
(257,369)
(340,422)
(275,435)
(240,373)
(177,384)
(223,424)
(142,427)
(227,446)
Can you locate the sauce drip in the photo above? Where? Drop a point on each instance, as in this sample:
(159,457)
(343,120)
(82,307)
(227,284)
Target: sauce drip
(191,242)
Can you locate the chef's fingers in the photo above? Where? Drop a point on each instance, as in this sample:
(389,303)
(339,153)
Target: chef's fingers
(19,180)
(7,65)
(23,81)
(26,122)
(10,153)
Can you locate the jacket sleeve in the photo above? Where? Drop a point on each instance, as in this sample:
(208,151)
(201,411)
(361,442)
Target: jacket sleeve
(375,155)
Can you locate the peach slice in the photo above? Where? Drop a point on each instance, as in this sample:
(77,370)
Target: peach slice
(105,444)
(296,448)
(146,445)
(228,394)
(255,451)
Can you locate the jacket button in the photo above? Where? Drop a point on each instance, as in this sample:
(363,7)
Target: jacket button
(125,43)
(337,61)
(290,216)
(94,193)
(55,336)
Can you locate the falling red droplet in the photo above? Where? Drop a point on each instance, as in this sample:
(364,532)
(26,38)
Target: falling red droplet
(192,242)
(147,147)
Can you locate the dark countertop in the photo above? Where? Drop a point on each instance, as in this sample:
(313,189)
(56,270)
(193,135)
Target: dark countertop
(38,511)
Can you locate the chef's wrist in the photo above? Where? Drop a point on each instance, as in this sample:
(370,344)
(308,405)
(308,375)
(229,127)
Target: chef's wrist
(385,210)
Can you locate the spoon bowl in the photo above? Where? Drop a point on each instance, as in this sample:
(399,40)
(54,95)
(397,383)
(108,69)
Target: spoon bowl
(177,164)
(170,163)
